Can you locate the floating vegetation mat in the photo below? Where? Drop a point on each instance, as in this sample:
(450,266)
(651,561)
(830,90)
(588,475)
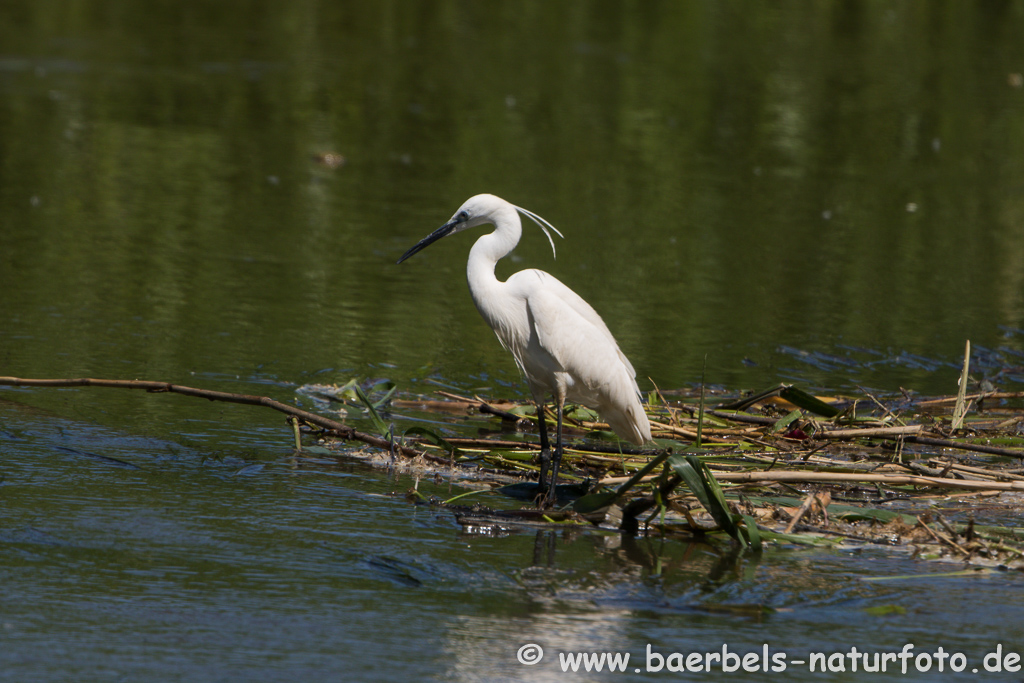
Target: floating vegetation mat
(941,477)
(781,466)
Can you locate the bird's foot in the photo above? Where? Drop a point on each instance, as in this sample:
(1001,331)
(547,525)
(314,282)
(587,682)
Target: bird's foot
(550,497)
(547,497)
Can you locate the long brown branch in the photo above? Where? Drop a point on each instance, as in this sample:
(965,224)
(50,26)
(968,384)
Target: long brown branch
(338,428)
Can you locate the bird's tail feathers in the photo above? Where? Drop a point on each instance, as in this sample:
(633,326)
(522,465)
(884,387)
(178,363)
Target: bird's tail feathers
(630,424)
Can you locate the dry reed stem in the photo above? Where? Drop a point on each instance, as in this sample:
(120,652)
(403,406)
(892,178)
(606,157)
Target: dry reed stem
(850,478)
(870,432)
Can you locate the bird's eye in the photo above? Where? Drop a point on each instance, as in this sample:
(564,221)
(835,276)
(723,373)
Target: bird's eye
(462,216)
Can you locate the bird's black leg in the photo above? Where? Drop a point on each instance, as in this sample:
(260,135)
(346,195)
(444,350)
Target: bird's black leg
(556,459)
(545,452)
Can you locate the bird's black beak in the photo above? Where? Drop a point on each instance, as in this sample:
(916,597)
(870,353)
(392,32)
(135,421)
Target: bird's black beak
(445,230)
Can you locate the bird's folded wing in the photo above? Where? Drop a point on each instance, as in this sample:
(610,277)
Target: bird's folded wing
(583,350)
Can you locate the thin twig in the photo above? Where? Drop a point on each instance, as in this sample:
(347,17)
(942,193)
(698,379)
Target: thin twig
(808,502)
(969,397)
(942,539)
(885,410)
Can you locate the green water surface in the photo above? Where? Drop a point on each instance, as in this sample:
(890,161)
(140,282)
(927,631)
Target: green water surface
(830,193)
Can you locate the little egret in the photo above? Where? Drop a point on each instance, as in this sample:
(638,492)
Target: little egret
(559,342)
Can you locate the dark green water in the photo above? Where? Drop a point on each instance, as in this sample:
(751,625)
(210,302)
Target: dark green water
(827,193)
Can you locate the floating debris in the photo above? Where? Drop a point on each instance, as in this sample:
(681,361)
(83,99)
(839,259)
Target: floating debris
(844,470)
(781,466)
(331,160)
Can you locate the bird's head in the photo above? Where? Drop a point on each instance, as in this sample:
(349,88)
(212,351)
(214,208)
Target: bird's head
(480,210)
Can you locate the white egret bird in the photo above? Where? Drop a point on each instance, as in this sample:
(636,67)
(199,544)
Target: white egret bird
(559,342)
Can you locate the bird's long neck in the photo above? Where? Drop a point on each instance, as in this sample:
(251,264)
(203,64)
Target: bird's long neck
(486,252)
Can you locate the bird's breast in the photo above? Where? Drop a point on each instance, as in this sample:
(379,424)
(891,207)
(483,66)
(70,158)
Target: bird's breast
(507,311)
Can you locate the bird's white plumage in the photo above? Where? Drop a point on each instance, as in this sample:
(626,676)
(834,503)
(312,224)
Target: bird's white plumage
(560,343)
